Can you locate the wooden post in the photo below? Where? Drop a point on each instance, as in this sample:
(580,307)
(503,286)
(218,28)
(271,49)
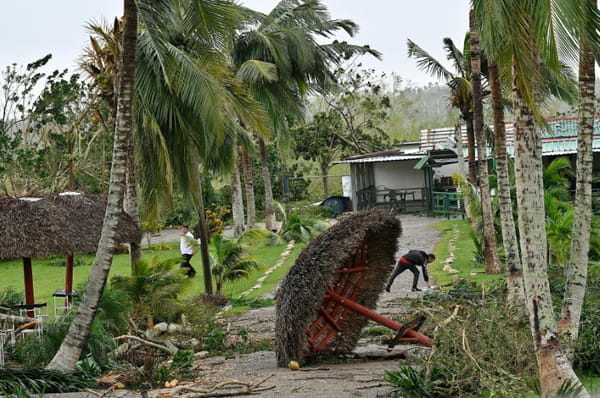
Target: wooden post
(69,280)
(29,294)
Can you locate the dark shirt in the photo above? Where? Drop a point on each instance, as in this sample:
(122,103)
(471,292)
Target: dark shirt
(418,257)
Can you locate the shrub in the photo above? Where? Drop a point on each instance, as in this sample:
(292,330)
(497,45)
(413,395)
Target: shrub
(587,350)
(9,297)
(22,382)
(33,351)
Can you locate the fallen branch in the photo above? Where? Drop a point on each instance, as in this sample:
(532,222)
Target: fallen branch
(467,350)
(372,386)
(170,350)
(247,388)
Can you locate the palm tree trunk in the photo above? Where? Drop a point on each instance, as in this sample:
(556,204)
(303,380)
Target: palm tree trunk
(131,201)
(237,206)
(324,172)
(492,262)
(459,150)
(269,210)
(204,239)
(70,350)
(249,184)
(468,118)
(576,272)
(507,221)
(553,364)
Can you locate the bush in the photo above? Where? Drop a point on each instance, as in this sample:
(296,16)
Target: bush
(22,382)
(58,261)
(34,351)
(587,350)
(411,383)
(9,297)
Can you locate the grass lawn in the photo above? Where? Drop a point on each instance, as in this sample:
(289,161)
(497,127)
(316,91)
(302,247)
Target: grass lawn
(48,277)
(456,241)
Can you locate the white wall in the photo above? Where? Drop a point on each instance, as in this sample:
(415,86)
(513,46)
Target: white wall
(399,175)
(446,170)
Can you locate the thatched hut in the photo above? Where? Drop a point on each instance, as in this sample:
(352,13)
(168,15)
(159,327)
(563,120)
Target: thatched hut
(301,292)
(58,224)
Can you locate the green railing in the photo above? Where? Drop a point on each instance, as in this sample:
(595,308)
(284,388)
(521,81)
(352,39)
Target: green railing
(447,204)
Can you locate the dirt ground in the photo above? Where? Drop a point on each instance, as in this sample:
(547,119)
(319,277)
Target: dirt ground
(360,375)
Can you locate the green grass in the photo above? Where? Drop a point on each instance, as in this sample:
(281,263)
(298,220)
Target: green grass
(47,278)
(463,252)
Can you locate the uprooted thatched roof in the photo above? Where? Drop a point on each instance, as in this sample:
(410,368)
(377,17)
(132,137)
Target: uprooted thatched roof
(57,224)
(301,292)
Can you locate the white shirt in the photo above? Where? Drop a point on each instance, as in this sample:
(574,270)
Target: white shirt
(185,243)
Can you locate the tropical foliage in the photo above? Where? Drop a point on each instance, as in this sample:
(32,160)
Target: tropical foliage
(230,260)
(154,289)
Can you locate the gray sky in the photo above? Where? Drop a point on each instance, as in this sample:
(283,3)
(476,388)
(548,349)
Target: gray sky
(33,28)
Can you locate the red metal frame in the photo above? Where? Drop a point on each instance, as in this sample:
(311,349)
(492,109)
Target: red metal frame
(339,299)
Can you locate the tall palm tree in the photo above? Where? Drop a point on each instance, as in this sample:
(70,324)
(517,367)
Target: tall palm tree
(101,62)
(576,272)
(187,103)
(526,34)
(492,261)
(71,348)
(509,234)
(459,83)
(280,60)
(190,103)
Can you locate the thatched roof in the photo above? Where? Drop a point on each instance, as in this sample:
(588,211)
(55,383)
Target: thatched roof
(57,224)
(302,290)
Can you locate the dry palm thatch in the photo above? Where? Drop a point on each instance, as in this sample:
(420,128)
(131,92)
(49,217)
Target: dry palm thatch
(302,290)
(57,224)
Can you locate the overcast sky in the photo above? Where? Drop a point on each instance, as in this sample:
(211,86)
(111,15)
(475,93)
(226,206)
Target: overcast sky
(33,28)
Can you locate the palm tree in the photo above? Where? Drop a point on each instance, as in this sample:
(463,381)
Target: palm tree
(459,83)
(576,272)
(231,260)
(541,24)
(187,103)
(190,103)
(237,201)
(507,221)
(492,261)
(100,61)
(153,288)
(71,348)
(280,61)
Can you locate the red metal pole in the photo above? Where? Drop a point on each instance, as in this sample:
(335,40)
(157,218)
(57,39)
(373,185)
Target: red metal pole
(69,279)
(29,294)
(420,338)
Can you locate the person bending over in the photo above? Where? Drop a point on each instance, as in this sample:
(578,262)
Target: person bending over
(409,262)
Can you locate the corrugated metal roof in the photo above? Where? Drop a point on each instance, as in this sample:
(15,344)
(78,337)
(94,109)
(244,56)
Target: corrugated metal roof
(558,128)
(554,147)
(377,159)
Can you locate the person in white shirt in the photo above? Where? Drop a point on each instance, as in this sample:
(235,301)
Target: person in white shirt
(187,250)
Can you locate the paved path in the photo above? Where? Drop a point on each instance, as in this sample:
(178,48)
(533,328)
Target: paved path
(416,234)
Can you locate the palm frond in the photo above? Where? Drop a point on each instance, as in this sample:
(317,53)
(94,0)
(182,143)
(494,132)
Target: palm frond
(428,63)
